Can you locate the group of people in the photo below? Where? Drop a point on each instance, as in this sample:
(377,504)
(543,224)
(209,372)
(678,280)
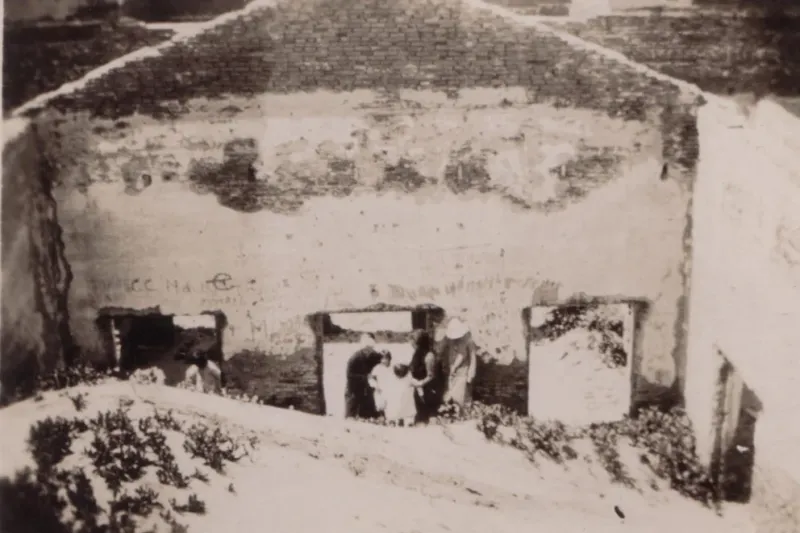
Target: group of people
(410,393)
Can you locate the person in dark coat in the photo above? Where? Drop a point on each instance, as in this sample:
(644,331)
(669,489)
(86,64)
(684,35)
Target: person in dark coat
(359,402)
(426,376)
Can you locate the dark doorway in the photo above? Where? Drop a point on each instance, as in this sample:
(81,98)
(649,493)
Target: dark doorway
(153,340)
(738,408)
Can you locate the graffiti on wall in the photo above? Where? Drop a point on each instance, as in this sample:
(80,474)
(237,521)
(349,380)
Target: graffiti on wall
(280,335)
(428,293)
(219,284)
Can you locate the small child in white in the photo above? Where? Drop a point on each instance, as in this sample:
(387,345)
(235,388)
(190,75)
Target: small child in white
(400,406)
(378,379)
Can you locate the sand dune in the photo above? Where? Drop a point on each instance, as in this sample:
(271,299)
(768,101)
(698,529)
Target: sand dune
(313,473)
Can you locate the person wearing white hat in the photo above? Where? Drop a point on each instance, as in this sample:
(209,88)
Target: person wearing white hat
(460,354)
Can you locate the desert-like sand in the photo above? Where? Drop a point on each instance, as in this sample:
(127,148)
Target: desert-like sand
(313,473)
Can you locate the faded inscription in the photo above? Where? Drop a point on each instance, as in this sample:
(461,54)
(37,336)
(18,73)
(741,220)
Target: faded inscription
(219,282)
(459,286)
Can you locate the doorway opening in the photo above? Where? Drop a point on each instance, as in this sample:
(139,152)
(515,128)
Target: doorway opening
(737,411)
(142,340)
(339,336)
(580,368)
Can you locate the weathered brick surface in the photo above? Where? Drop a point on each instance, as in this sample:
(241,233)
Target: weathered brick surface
(720,52)
(38,60)
(378,44)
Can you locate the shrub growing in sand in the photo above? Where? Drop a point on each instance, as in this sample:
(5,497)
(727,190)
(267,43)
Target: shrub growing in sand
(665,440)
(118,451)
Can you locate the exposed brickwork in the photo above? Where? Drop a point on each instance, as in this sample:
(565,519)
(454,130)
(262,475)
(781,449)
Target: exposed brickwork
(280,380)
(545,8)
(721,53)
(38,60)
(378,44)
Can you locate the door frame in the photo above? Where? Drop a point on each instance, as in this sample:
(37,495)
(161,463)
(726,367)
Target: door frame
(426,317)
(638,310)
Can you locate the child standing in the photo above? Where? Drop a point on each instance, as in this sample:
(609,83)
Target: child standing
(379,379)
(401,407)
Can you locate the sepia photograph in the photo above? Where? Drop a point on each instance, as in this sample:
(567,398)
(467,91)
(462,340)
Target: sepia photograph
(402,266)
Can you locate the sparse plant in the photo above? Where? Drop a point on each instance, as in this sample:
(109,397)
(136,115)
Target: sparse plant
(79,401)
(168,472)
(549,438)
(168,421)
(121,450)
(117,451)
(193,505)
(214,447)
(62,378)
(142,503)
(669,441)
(50,441)
(605,438)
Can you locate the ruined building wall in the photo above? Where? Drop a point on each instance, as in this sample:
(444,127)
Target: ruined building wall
(35,331)
(745,289)
(459,160)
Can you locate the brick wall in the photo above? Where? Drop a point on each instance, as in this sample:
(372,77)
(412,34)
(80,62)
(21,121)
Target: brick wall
(720,52)
(304,46)
(271,185)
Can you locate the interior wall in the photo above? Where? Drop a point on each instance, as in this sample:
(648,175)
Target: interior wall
(477,207)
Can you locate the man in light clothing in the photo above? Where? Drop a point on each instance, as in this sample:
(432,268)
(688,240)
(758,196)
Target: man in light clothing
(204,375)
(460,353)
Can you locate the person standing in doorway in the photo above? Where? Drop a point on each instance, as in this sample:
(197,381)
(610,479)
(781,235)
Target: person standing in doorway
(358,397)
(203,375)
(401,408)
(425,375)
(380,379)
(460,354)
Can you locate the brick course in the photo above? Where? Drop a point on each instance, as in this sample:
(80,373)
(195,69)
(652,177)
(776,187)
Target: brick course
(377,44)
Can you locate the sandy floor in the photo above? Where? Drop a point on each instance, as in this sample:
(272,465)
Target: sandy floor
(313,473)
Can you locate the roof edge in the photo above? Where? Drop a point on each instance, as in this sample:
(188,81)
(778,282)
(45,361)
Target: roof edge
(691,92)
(41,101)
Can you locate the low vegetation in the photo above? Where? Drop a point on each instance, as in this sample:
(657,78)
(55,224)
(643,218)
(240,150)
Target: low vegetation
(665,441)
(121,453)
